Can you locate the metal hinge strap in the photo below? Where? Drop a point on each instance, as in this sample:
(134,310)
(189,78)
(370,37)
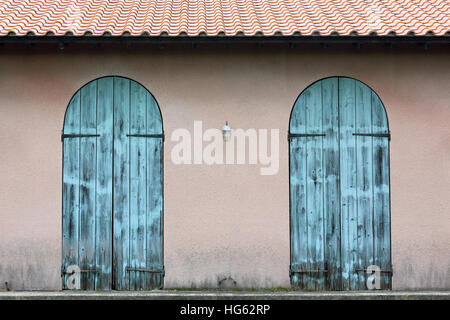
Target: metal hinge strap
(294,270)
(382,271)
(129,269)
(153,135)
(378,135)
(65,136)
(83,271)
(301,135)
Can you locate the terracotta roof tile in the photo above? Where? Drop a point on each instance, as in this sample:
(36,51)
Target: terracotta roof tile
(224,17)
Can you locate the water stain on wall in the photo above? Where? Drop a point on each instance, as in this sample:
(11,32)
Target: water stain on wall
(26,265)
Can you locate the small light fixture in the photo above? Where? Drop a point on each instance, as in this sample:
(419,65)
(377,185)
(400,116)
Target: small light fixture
(226,130)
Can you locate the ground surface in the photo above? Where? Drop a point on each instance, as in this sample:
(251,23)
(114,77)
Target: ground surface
(226,295)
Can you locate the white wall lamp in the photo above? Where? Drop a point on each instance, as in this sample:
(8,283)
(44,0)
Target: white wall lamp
(226,131)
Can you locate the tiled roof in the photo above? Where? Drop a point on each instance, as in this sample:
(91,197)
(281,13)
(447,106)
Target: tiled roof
(224,17)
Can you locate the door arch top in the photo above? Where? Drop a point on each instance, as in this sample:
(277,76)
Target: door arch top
(296,122)
(74,103)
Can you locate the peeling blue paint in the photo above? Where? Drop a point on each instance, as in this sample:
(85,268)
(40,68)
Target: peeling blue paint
(339,187)
(112,187)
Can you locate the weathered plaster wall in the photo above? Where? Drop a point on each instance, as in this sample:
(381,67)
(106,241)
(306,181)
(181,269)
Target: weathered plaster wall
(224,220)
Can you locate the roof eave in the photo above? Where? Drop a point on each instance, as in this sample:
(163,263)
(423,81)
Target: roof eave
(226,39)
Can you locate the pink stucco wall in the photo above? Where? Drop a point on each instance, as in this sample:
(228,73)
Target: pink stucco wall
(224,220)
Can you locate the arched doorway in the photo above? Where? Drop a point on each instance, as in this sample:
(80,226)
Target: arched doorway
(113,187)
(339,187)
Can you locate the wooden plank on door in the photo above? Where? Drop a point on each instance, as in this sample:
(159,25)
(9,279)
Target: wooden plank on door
(348,183)
(121,183)
(314,186)
(88,121)
(298,215)
(364,182)
(381,191)
(103,216)
(155,222)
(71,190)
(138,185)
(332,225)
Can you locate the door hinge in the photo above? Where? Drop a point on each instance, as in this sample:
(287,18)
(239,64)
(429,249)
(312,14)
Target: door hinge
(153,135)
(382,271)
(63,271)
(293,270)
(301,135)
(65,136)
(378,135)
(162,271)
(82,270)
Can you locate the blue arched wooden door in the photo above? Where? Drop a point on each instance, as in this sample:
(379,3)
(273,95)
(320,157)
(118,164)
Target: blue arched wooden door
(339,187)
(113,187)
